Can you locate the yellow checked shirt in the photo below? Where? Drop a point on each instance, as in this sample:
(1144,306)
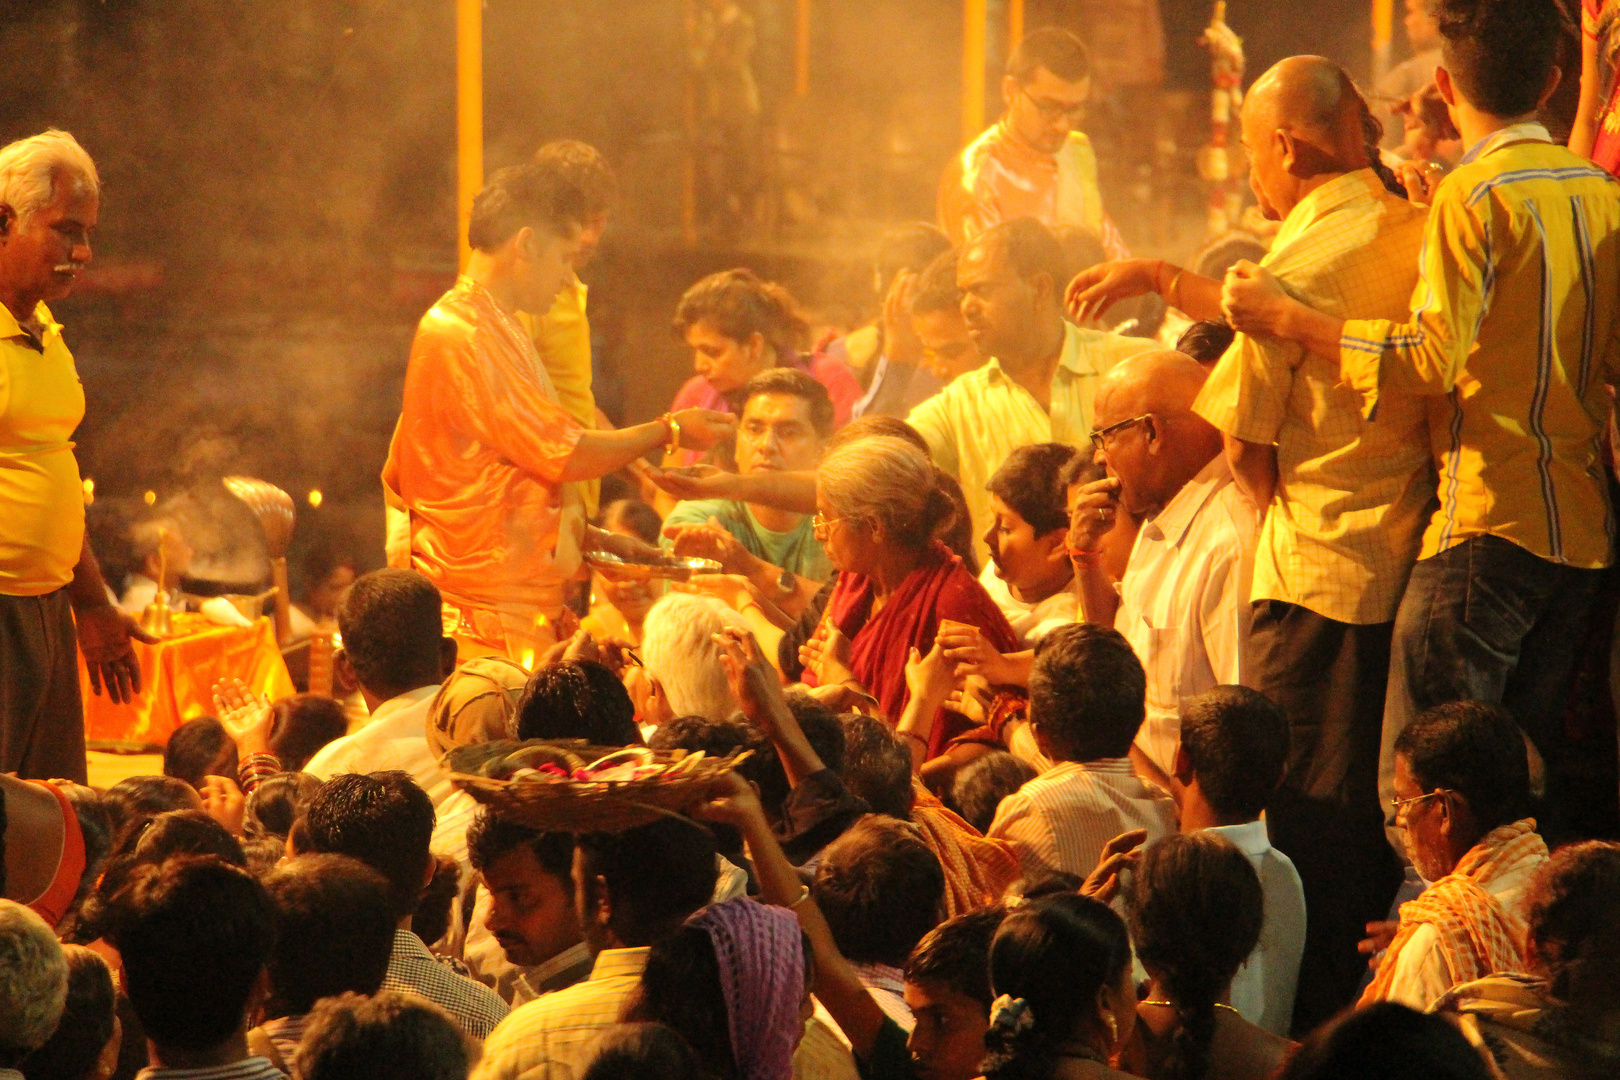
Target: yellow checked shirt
(1514,333)
(563,338)
(41,501)
(1352,494)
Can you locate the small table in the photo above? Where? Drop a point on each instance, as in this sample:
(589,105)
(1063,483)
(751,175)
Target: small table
(177,681)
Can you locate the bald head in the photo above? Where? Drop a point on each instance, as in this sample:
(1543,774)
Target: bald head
(1167,444)
(1162,381)
(1316,99)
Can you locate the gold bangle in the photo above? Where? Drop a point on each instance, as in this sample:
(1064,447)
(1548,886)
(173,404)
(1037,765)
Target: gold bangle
(673,427)
(1171,296)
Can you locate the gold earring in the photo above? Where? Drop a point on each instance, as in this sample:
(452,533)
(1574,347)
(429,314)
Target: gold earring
(1113,1029)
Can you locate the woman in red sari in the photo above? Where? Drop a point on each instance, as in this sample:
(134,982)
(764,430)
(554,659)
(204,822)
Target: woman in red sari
(878,514)
(1597,121)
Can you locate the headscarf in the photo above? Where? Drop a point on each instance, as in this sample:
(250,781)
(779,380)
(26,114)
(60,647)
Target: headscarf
(477,703)
(761,956)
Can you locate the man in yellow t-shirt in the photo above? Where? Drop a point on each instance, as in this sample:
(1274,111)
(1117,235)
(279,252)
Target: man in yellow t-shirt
(52,597)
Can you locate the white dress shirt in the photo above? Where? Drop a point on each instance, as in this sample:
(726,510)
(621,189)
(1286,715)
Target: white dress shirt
(1061,819)
(1263,991)
(1030,622)
(1184,601)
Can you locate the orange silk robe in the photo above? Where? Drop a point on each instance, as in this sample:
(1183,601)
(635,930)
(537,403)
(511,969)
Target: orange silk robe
(476,460)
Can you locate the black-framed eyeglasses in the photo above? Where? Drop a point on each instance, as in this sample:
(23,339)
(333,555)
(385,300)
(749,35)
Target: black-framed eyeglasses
(1055,110)
(1099,435)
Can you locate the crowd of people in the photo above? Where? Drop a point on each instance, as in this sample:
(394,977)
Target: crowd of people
(1178,694)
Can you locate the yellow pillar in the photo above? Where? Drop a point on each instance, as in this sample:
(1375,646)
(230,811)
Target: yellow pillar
(974,14)
(1383,33)
(801,49)
(469,115)
(1015,23)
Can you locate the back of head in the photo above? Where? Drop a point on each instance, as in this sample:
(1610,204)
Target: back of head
(656,875)
(1237,742)
(583,173)
(1195,907)
(1054,956)
(1573,910)
(739,304)
(887,482)
(30,169)
(823,729)
(304,723)
(800,384)
(1031,249)
(1500,52)
(1473,748)
(717,738)
(956,954)
(529,195)
(877,766)
(1386,1041)
(278,801)
(33,982)
(979,787)
(577,699)
(86,1025)
(1087,692)
(194,934)
(1027,482)
(678,649)
(383,819)
(881,889)
(198,748)
(936,288)
(643,1052)
(1058,51)
(392,623)
(632,514)
(136,798)
(868,426)
(334,930)
(1207,341)
(187,832)
(391,1036)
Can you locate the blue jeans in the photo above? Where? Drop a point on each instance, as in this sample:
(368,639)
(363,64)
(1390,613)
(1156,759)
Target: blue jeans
(1489,621)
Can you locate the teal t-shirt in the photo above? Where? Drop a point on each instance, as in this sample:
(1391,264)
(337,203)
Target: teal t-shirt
(797,550)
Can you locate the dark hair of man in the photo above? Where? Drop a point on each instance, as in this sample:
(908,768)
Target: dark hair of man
(1027,482)
(821,726)
(799,384)
(1573,909)
(383,819)
(739,304)
(656,876)
(877,766)
(582,167)
(1083,468)
(635,515)
(334,931)
(194,934)
(1058,51)
(276,803)
(1195,908)
(1386,1041)
(1475,749)
(577,699)
(936,286)
(718,738)
(492,837)
(390,1036)
(1087,692)
(956,954)
(187,832)
(644,1051)
(304,723)
(198,748)
(1206,341)
(1237,742)
(979,786)
(518,197)
(1031,249)
(1045,881)
(881,889)
(136,798)
(86,1024)
(1499,52)
(1056,953)
(392,623)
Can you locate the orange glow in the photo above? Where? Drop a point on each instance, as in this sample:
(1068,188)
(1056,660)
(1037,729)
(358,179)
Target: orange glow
(315,497)
(89,491)
(151,498)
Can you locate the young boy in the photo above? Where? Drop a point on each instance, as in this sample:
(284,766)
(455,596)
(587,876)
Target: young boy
(948,992)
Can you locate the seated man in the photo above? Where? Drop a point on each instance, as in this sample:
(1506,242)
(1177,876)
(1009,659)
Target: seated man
(386,821)
(936,316)
(34,990)
(159,551)
(194,936)
(786,419)
(1234,745)
(880,889)
(1085,706)
(1462,790)
(948,992)
(1183,603)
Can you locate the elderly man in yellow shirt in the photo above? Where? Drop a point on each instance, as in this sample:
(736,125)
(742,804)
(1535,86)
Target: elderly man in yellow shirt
(52,596)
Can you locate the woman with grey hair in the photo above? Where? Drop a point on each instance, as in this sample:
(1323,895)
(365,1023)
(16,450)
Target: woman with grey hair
(879,513)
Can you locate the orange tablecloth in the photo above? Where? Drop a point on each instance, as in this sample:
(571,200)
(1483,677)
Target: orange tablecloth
(178,676)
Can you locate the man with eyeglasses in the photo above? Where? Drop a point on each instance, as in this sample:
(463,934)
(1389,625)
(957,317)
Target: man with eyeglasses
(1032,162)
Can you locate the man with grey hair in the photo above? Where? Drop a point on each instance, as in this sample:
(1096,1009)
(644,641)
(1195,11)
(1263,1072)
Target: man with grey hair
(683,675)
(33,985)
(51,591)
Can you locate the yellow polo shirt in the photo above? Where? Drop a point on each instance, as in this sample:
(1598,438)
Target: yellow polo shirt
(563,338)
(41,501)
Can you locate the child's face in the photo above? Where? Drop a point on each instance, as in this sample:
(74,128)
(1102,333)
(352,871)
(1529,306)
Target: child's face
(1023,560)
(948,1041)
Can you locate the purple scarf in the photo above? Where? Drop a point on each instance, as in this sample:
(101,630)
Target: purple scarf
(761,955)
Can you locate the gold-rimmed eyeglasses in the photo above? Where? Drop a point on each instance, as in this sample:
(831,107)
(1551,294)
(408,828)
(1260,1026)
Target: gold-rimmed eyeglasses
(819,525)
(1398,807)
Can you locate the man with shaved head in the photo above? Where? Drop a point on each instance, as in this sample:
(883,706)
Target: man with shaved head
(1183,602)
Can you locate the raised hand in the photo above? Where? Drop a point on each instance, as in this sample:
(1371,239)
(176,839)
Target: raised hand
(753,682)
(223,801)
(1098,288)
(900,340)
(105,634)
(827,655)
(1092,515)
(1118,854)
(247,717)
(702,428)
(694,481)
(930,678)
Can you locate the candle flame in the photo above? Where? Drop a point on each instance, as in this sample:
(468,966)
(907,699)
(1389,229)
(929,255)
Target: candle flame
(151,498)
(315,497)
(89,491)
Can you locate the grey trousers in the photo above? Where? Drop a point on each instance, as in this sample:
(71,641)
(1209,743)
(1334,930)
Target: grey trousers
(41,716)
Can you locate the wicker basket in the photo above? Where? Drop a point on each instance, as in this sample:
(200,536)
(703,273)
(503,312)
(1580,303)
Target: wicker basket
(581,806)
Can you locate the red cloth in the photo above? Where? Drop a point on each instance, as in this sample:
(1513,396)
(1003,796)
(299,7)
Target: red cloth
(1606,145)
(940,588)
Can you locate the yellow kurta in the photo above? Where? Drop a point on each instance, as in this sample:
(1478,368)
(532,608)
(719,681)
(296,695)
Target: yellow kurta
(563,338)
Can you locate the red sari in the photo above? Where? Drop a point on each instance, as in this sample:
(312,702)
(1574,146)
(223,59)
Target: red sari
(939,588)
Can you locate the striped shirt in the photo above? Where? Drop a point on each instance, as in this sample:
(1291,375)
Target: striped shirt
(249,1068)
(1352,493)
(1514,333)
(1061,819)
(474,1007)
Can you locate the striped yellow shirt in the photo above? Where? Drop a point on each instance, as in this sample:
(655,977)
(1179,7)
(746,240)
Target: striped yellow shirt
(1514,332)
(1352,493)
